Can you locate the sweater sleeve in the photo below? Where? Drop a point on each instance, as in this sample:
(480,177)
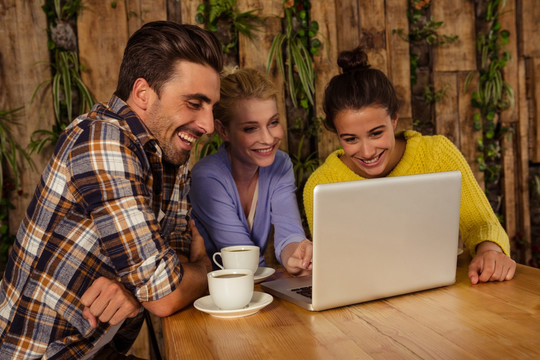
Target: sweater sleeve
(478,221)
(285,215)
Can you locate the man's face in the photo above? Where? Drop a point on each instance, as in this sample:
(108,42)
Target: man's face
(183,113)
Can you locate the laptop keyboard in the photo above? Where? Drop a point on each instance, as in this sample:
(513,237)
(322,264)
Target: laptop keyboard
(305,291)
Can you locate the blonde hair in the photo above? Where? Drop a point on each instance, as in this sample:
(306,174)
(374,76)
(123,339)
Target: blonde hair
(241,84)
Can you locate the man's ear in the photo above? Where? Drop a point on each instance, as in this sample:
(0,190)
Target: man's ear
(141,95)
(221,129)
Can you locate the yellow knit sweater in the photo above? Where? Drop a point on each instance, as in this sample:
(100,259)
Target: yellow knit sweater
(426,154)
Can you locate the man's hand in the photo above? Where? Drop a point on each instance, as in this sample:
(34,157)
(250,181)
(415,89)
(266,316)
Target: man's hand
(108,301)
(491,264)
(297,258)
(194,283)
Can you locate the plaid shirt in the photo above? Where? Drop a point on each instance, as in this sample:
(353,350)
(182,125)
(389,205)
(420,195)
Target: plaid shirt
(96,212)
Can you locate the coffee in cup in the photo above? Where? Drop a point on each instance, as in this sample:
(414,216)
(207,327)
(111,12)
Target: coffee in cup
(231,289)
(238,257)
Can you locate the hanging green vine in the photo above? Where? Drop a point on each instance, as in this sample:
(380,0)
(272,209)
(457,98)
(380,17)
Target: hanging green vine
(423,34)
(493,94)
(213,13)
(224,19)
(70,95)
(422,29)
(10,153)
(292,52)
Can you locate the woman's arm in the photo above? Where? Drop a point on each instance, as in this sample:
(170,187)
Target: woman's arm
(480,228)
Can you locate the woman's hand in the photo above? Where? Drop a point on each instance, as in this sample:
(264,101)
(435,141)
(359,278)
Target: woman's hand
(297,258)
(491,264)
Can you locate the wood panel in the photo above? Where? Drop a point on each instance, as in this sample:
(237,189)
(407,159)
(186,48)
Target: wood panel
(254,52)
(535,94)
(174,11)
(103,30)
(189,10)
(530,28)
(446,110)
(509,168)
(516,175)
(510,71)
(24,65)
(523,135)
(468,135)
(399,68)
(373,32)
(324,62)
(459,19)
(142,11)
(348,20)
(101,51)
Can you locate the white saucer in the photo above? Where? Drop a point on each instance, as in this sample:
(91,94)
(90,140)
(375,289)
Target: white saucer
(258,301)
(263,273)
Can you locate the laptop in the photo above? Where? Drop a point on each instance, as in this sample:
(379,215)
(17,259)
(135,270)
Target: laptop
(378,238)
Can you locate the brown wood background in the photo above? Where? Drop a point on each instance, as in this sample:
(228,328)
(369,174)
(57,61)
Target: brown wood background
(103,31)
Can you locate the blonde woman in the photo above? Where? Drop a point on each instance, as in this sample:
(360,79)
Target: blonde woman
(247,187)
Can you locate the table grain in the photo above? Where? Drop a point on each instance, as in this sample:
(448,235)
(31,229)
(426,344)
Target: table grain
(498,320)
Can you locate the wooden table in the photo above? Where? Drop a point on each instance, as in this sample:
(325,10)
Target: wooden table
(462,321)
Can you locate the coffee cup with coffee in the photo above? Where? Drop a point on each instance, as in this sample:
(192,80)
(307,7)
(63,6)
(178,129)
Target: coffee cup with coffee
(231,289)
(238,257)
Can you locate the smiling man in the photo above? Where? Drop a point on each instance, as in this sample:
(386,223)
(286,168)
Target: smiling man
(111,211)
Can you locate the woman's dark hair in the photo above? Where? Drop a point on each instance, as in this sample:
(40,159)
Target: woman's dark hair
(356,87)
(153,51)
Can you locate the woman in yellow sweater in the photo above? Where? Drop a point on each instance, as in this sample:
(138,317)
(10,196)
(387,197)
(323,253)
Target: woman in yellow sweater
(361,107)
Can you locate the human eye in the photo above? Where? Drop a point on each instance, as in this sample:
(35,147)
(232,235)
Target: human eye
(274,123)
(194,105)
(349,139)
(249,129)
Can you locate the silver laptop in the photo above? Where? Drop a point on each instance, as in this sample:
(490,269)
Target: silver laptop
(378,238)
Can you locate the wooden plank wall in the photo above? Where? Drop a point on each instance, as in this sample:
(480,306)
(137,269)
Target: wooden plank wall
(515,147)
(24,61)
(104,28)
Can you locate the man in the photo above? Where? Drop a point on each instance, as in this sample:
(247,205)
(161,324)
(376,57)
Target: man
(111,208)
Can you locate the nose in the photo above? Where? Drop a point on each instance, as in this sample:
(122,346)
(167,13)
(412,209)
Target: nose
(266,136)
(366,150)
(205,122)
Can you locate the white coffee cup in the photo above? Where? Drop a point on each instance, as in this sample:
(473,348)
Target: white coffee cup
(231,289)
(238,257)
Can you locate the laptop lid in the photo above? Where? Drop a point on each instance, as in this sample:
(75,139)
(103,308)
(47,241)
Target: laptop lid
(378,238)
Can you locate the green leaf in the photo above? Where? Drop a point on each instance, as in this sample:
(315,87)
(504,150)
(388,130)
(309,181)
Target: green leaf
(199,18)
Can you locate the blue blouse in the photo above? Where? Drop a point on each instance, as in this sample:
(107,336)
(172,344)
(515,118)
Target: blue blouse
(219,215)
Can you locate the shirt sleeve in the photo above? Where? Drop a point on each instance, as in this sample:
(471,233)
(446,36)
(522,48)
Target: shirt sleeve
(285,215)
(108,178)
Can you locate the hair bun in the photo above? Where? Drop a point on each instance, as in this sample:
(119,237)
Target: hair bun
(353,60)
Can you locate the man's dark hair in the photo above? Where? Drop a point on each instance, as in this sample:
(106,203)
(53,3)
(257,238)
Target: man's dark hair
(153,51)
